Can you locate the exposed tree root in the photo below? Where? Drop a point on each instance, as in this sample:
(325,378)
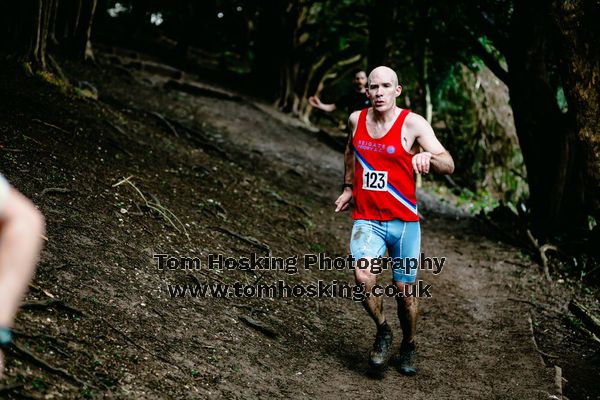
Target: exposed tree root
(248,239)
(50,303)
(44,364)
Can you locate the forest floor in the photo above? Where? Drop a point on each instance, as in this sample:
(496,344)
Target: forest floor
(99,321)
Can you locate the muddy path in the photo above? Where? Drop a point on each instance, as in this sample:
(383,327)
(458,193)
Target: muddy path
(240,179)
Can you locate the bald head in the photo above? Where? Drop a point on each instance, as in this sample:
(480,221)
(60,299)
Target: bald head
(383,73)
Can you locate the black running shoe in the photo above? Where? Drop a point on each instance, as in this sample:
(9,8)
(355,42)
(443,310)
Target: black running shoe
(408,352)
(381,348)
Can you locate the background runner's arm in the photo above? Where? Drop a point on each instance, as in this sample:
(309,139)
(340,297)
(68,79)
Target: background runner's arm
(317,103)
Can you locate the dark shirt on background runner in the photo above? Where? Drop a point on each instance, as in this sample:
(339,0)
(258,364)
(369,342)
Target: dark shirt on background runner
(353,101)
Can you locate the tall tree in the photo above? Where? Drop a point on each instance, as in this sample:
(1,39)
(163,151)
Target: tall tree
(34,24)
(301,44)
(580,45)
(518,42)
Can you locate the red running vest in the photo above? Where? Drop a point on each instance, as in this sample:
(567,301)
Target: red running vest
(384,182)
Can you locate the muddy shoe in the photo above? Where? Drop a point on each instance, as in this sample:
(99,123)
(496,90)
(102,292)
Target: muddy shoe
(408,352)
(381,348)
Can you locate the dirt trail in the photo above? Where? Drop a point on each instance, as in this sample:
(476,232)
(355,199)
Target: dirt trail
(273,182)
(473,341)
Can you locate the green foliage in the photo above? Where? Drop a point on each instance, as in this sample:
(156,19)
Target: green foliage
(591,222)
(561,99)
(38,384)
(470,123)
(316,247)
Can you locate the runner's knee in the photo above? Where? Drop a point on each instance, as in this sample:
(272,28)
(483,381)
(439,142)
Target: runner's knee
(364,276)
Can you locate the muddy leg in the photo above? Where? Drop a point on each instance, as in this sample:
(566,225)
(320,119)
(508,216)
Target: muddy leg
(407,312)
(373,305)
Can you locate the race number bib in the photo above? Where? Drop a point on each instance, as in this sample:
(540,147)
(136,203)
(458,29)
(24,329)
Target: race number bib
(375,180)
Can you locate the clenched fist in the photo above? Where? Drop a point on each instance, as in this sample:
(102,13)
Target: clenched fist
(421,162)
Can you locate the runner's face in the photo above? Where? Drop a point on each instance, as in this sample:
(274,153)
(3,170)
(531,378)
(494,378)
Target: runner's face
(360,80)
(383,91)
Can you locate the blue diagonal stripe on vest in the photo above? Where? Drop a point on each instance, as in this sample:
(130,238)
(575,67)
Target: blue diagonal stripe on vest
(390,188)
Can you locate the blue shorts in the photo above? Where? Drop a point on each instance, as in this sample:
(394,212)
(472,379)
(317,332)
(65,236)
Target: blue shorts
(402,239)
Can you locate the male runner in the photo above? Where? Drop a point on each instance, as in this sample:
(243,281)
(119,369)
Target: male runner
(379,161)
(21,227)
(353,101)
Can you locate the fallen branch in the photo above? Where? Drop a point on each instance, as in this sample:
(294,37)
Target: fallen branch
(542,252)
(546,354)
(165,122)
(558,381)
(199,138)
(199,89)
(585,315)
(576,324)
(540,306)
(54,342)
(248,239)
(250,308)
(532,331)
(194,135)
(39,336)
(51,126)
(259,326)
(117,146)
(287,203)
(115,126)
(44,364)
(518,264)
(40,289)
(50,303)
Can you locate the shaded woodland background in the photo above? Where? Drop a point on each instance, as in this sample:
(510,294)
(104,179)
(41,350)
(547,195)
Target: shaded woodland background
(140,127)
(511,88)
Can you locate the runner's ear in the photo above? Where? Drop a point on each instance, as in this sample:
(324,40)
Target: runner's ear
(398,90)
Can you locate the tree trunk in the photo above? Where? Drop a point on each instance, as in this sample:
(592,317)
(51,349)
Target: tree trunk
(321,71)
(35,55)
(273,44)
(577,22)
(52,27)
(82,47)
(33,25)
(546,136)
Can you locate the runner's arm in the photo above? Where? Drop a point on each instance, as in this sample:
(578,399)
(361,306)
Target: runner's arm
(349,152)
(343,201)
(21,227)
(434,155)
